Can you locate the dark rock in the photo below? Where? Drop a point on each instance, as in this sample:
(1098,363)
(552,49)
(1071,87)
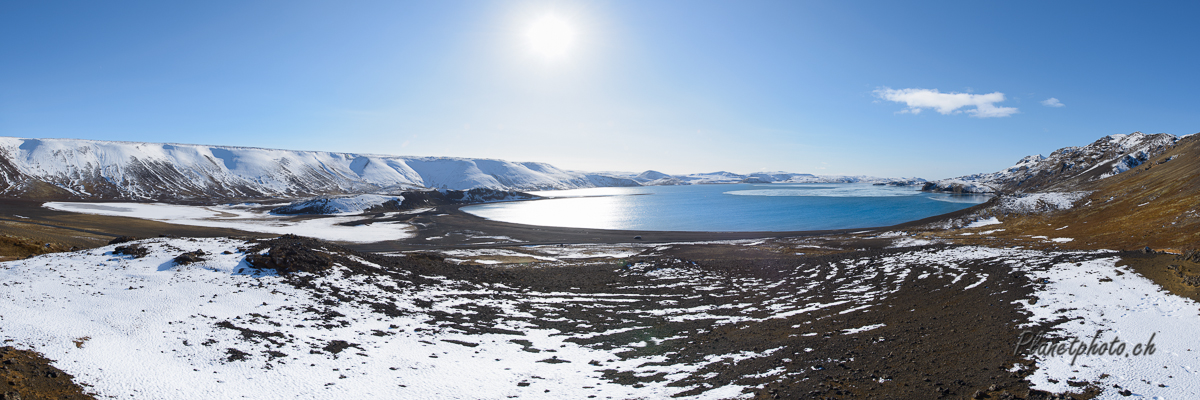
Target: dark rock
(135,250)
(290,254)
(122,239)
(236,355)
(190,257)
(1190,255)
(337,346)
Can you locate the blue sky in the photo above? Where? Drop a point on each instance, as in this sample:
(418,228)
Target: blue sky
(676,86)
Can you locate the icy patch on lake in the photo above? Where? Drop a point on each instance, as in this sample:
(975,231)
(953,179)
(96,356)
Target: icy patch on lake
(243,218)
(827,191)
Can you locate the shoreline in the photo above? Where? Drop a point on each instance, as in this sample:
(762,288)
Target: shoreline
(444,227)
(445,221)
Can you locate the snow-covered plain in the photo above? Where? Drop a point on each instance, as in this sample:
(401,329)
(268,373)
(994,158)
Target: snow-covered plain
(246,219)
(154,329)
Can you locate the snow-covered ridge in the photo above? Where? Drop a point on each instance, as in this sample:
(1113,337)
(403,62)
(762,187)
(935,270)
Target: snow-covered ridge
(94,169)
(131,170)
(1103,158)
(655,178)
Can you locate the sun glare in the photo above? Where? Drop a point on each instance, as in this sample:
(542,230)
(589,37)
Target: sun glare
(550,37)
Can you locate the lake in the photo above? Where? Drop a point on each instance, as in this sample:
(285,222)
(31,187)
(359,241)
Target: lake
(729,207)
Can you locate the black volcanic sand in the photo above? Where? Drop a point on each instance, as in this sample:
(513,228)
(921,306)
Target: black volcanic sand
(29,376)
(939,341)
(452,227)
(64,230)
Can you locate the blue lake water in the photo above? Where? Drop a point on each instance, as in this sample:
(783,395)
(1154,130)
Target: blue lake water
(730,207)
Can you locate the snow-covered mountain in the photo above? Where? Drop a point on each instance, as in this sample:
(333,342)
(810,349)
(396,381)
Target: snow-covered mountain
(654,178)
(68,168)
(93,169)
(1067,166)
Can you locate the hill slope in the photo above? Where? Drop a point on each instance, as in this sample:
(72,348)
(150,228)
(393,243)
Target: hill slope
(1153,203)
(1156,204)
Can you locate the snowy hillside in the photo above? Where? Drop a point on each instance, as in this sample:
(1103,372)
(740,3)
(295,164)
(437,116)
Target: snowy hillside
(1103,158)
(65,168)
(94,170)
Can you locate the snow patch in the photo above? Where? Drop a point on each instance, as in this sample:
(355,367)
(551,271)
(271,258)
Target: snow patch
(983,222)
(1040,202)
(337,205)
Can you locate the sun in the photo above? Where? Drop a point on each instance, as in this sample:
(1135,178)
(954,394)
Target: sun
(550,37)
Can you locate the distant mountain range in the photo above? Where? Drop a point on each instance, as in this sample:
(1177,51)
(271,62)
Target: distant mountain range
(92,169)
(1065,168)
(655,178)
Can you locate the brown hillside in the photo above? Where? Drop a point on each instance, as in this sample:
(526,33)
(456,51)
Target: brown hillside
(1156,205)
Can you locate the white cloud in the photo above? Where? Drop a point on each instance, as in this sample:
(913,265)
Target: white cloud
(947,103)
(1052,102)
